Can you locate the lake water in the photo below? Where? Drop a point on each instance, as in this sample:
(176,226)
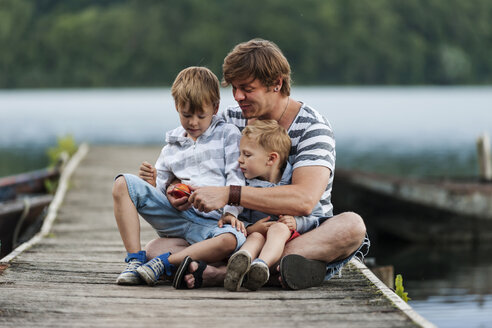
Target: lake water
(420,131)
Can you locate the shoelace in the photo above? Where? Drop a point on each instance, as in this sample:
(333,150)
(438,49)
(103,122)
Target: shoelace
(133,266)
(157,266)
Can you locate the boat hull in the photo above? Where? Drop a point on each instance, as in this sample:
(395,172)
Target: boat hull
(417,211)
(18,217)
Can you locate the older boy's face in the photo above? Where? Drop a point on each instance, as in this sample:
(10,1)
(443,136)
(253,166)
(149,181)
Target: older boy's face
(253,159)
(196,123)
(253,97)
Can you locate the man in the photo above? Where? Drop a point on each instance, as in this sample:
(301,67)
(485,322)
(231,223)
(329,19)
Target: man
(260,78)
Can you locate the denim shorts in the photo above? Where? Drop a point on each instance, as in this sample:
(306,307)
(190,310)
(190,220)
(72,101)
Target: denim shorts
(335,267)
(168,222)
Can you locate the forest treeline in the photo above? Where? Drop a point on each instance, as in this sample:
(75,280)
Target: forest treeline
(100,43)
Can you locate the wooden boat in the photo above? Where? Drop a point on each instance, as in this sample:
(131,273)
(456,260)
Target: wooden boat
(27,183)
(23,198)
(437,211)
(21,218)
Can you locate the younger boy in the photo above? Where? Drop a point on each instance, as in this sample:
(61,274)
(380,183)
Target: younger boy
(202,151)
(264,149)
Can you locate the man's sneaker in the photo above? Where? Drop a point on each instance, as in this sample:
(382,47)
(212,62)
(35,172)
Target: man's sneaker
(129,276)
(257,276)
(152,270)
(298,272)
(237,266)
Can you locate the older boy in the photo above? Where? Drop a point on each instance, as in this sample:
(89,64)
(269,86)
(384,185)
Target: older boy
(202,151)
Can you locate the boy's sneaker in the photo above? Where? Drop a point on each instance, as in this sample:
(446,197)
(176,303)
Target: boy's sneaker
(257,276)
(237,266)
(152,270)
(129,276)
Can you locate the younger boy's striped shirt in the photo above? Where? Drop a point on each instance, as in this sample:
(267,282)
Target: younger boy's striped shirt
(313,143)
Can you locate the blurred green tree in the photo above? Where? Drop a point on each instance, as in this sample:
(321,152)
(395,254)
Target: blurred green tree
(99,43)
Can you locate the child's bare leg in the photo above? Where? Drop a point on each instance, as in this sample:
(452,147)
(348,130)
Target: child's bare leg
(159,246)
(240,262)
(258,274)
(277,236)
(211,250)
(126,216)
(253,244)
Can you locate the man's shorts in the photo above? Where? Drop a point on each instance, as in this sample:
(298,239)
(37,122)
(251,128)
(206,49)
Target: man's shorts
(333,268)
(168,222)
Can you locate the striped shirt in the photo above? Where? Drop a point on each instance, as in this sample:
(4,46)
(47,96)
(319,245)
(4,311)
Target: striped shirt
(313,144)
(211,160)
(303,223)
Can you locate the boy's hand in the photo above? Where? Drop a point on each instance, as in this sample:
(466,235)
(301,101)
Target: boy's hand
(261,226)
(148,173)
(233,221)
(289,220)
(181,204)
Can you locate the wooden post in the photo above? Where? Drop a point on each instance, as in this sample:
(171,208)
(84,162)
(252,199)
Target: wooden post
(484,159)
(386,274)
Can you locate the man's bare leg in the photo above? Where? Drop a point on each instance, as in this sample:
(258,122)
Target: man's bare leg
(335,239)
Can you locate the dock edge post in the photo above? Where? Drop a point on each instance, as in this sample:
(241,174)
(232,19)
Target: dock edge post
(484,157)
(399,303)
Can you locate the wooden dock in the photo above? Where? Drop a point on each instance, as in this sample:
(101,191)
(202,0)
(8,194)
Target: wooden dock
(65,276)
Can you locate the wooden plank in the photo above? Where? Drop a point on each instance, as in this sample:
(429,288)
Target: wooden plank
(68,277)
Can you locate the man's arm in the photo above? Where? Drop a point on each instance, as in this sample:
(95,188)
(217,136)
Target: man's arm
(233,174)
(299,198)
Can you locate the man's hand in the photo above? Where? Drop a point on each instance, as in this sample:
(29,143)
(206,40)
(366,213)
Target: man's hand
(289,220)
(260,226)
(148,173)
(181,204)
(207,199)
(228,218)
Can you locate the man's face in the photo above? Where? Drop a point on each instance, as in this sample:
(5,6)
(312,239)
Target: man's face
(253,97)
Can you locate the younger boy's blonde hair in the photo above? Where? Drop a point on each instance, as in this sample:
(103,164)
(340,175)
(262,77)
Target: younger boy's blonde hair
(196,86)
(270,136)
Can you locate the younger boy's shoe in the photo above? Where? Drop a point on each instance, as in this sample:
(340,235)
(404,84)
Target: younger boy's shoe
(257,275)
(237,266)
(129,276)
(151,271)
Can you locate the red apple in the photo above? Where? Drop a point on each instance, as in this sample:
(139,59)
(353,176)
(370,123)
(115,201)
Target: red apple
(180,190)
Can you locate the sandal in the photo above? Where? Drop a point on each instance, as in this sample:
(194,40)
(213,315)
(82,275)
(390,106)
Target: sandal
(298,272)
(182,271)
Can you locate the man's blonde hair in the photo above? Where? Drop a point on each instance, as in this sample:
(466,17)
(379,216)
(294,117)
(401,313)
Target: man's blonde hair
(257,59)
(196,86)
(271,137)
